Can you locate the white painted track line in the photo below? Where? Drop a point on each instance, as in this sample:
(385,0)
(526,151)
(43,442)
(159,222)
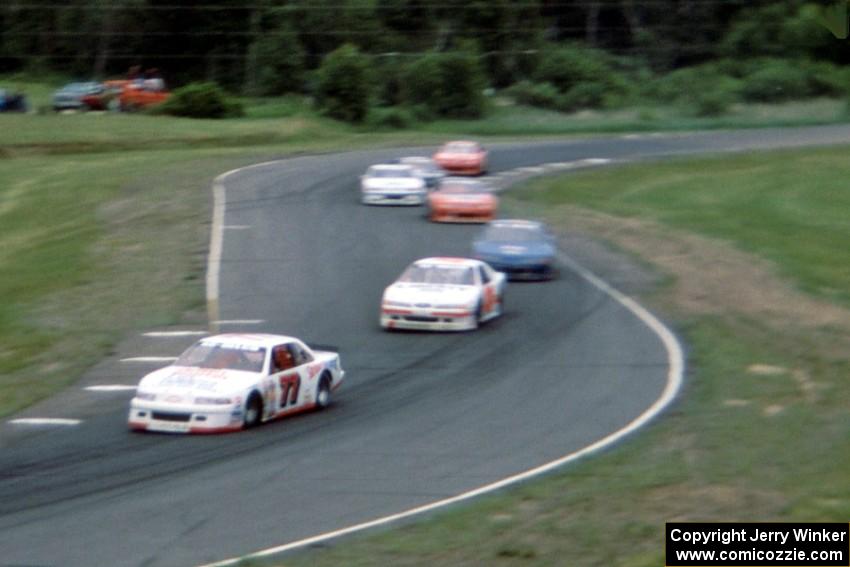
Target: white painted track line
(170,334)
(150,359)
(44,421)
(110,388)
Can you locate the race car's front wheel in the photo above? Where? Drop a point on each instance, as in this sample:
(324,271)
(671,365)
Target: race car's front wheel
(323,392)
(253,411)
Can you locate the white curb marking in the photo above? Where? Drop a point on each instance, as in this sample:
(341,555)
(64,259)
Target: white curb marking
(240,321)
(110,388)
(44,421)
(169,334)
(150,359)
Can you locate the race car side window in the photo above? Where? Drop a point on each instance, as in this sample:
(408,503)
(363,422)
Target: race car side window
(282,359)
(299,355)
(485,277)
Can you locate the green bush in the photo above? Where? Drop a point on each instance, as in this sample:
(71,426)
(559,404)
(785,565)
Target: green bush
(449,85)
(393,118)
(827,79)
(342,85)
(714,101)
(776,80)
(541,95)
(422,83)
(201,100)
(276,64)
(583,95)
(390,87)
(585,77)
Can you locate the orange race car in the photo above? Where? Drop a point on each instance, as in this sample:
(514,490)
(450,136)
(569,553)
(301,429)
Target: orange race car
(462,158)
(462,200)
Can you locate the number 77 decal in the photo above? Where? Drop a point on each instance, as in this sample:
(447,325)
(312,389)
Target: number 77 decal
(289,386)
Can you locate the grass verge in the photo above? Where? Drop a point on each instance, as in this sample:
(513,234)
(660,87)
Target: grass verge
(762,430)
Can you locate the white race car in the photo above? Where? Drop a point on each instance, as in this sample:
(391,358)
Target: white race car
(443,294)
(235,381)
(392,184)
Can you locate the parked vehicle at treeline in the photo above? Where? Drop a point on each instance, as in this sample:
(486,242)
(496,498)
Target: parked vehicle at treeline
(126,95)
(13,101)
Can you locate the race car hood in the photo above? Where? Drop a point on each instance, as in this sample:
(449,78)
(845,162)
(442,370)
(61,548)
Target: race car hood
(457,158)
(188,381)
(431,294)
(381,183)
(462,199)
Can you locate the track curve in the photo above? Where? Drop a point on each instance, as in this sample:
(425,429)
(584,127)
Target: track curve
(421,418)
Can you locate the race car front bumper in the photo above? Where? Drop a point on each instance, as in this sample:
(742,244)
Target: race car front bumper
(391,198)
(448,320)
(182,418)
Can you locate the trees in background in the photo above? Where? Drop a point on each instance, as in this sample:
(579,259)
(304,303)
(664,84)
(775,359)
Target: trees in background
(558,53)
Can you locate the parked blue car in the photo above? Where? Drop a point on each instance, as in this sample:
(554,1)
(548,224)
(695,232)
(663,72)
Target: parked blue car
(521,249)
(12,102)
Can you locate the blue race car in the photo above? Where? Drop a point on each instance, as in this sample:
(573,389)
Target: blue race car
(521,249)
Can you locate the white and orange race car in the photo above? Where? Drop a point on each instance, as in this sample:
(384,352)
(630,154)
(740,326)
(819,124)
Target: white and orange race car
(443,294)
(462,200)
(235,381)
(462,157)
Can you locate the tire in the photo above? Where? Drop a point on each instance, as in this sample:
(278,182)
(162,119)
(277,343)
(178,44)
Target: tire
(323,392)
(253,411)
(477,322)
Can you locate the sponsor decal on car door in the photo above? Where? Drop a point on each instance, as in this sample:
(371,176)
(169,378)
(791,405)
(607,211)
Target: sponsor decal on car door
(490,298)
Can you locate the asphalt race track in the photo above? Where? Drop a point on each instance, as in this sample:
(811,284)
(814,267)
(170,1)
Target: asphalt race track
(421,417)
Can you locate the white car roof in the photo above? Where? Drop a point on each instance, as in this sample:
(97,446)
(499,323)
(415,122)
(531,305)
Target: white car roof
(515,223)
(391,167)
(257,340)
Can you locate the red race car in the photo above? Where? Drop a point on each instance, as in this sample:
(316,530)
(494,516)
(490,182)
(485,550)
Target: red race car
(462,200)
(462,158)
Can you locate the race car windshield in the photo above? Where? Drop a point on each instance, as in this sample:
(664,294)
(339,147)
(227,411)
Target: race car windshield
(390,173)
(460,149)
(223,357)
(511,234)
(463,189)
(446,275)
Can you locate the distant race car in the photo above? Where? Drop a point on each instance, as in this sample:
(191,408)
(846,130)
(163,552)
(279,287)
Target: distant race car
(235,381)
(462,158)
(443,294)
(426,168)
(462,200)
(392,184)
(521,249)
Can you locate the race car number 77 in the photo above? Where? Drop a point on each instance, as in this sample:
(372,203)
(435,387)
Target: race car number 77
(289,386)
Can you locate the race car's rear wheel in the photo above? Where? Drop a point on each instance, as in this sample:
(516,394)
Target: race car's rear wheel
(323,392)
(253,411)
(477,316)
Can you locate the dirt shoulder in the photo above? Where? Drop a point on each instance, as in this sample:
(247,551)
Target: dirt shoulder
(699,276)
